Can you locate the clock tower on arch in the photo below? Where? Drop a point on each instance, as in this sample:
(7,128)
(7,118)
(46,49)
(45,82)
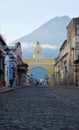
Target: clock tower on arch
(37,51)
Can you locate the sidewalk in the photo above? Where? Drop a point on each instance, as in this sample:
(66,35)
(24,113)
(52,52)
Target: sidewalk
(5,89)
(8,89)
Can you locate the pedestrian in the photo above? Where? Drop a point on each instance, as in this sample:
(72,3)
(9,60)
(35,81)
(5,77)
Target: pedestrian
(11,82)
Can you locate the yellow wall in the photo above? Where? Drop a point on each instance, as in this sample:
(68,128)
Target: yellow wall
(47,64)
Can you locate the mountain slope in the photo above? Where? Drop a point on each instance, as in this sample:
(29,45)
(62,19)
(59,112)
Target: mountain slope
(52,33)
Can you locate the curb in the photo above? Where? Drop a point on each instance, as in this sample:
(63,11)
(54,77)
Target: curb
(5,91)
(10,89)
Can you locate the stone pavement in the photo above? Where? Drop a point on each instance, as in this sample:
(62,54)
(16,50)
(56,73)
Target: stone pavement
(8,89)
(40,108)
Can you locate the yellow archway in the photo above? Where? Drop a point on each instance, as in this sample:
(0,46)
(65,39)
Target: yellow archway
(46,64)
(39,62)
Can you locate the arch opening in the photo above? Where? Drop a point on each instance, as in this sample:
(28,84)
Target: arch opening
(39,73)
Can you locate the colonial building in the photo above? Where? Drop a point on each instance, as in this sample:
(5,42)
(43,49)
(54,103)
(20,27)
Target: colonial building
(12,67)
(67,63)
(61,65)
(12,71)
(73,51)
(7,63)
(22,67)
(2,61)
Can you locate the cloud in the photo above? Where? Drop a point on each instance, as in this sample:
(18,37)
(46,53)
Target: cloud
(49,46)
(31,45)
(27,45)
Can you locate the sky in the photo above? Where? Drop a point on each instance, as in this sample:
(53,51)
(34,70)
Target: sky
(39,73)
(21,17)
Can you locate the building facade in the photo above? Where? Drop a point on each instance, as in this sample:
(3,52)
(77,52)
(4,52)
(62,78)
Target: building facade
(61,65)
(73,51)
(2,61)
(68,59)
(22,67)
(12,67)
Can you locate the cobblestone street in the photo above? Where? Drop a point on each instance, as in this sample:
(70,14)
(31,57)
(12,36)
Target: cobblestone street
(40,108)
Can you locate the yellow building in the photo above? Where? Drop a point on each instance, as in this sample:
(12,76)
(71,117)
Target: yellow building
(39,62)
